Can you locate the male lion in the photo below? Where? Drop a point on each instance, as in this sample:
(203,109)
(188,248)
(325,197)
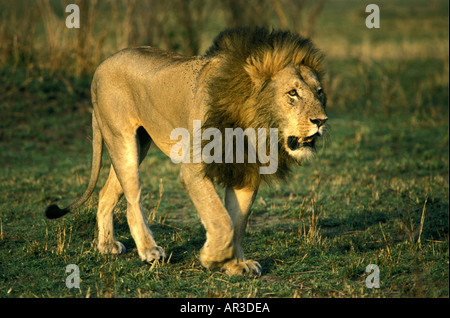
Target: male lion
(249,78)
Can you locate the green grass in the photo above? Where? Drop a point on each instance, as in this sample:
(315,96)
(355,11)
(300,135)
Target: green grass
(377,193)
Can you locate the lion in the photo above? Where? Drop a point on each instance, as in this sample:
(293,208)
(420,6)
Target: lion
(249,78)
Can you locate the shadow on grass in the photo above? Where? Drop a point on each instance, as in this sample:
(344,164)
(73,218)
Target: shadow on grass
(408,216)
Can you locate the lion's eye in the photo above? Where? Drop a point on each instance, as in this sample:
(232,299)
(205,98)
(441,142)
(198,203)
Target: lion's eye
(292,92)
(319,90)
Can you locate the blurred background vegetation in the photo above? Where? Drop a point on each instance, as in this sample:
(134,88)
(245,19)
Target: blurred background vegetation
(33,33)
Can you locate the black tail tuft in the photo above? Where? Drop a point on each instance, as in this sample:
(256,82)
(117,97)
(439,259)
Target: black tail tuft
(54,212)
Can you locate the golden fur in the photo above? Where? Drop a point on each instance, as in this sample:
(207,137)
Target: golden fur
(249,78)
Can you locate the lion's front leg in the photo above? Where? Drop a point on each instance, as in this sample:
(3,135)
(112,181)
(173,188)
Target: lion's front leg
(218,247)
(220,250)
(238,203)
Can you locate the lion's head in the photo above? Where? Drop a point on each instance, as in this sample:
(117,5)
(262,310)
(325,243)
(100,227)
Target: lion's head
(266,79)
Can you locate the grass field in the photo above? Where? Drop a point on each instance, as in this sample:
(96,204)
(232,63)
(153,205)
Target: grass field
(378,192)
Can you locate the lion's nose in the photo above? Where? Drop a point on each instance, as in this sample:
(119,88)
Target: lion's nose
(319,121)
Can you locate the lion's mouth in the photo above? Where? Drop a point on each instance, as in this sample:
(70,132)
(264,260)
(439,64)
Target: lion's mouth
(295,143)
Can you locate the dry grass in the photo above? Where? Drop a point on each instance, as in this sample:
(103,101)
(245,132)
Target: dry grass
(34,33)
(308,226)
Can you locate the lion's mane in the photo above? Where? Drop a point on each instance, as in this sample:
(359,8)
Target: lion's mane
(239,94)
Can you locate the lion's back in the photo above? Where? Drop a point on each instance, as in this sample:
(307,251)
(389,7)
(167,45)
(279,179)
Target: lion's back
(154,82)
(140,61)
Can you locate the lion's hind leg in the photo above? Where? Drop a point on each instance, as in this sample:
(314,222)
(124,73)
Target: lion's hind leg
(126,153)
(109,196)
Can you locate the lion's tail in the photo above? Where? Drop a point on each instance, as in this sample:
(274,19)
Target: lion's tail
(53,211)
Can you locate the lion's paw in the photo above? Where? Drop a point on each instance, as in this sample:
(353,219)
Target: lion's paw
(247,267)
(152,254)
(112,248)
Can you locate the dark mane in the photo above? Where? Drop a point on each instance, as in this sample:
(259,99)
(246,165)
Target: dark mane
(239,94)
